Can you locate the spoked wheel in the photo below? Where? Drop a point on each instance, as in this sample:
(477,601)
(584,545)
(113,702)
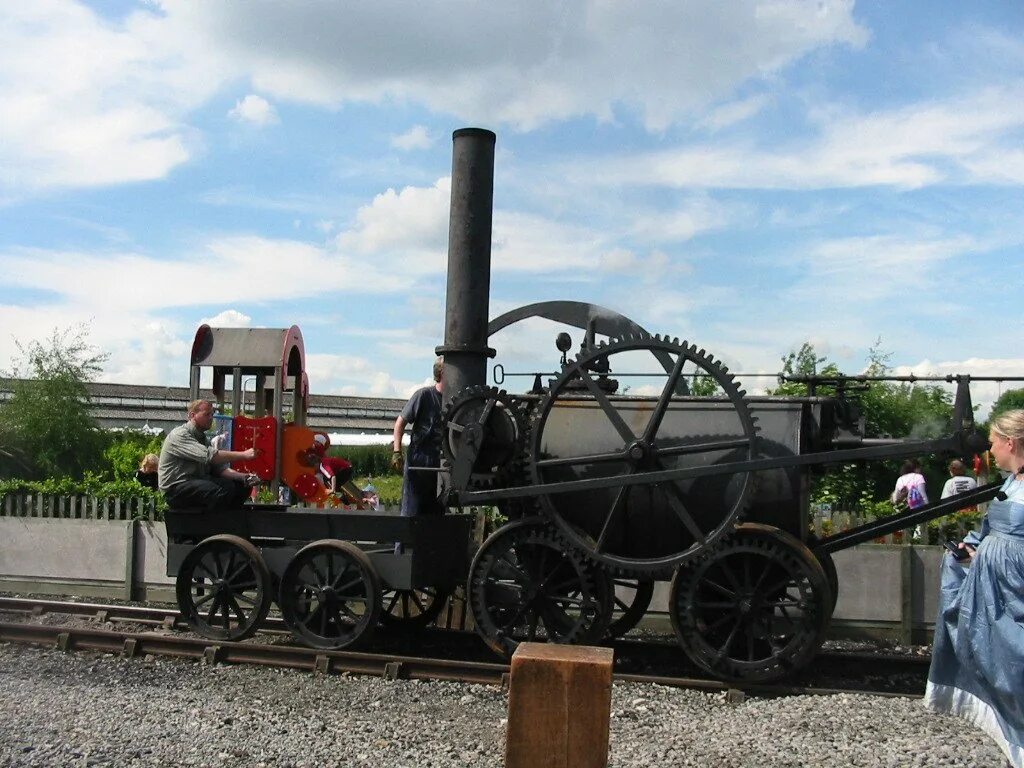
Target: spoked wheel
(616,448)
(223,588)
(412,609)
(630,600)
(756,609)
(526,585)
(330,595)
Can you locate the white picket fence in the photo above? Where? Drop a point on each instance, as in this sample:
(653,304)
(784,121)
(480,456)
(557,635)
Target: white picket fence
(77,507)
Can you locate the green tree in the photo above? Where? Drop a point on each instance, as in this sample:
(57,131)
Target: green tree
(704,386)
(890,409)
(804,362)
(1009,400)
(903,409)
(46,427)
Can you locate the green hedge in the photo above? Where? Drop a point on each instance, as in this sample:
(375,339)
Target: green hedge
(91,485)
(367,460)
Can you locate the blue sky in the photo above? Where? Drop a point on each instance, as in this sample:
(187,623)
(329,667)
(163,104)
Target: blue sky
(746,175)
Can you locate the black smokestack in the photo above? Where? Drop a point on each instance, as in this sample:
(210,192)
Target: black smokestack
(465,347)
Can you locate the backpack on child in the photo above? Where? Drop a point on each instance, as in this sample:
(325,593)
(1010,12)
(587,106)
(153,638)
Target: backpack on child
(915,498)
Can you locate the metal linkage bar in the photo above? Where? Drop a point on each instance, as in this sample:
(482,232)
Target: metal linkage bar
(893,523)
(948,378)
(952,444)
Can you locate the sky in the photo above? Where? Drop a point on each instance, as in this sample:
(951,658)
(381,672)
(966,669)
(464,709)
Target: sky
(745,175)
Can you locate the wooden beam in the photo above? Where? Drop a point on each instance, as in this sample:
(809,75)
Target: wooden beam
(559,706)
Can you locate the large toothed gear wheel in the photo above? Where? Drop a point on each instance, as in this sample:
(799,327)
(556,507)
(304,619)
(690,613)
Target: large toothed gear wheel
(755,609)
(585,433)
(485,425)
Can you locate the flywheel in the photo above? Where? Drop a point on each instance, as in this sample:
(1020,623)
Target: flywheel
(613,424)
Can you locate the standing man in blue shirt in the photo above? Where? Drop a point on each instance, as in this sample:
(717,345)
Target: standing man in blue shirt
(423,412)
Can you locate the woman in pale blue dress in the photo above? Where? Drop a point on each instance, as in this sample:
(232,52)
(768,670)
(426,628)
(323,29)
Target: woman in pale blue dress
(977,669)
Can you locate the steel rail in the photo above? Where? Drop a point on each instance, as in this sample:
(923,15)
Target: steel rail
(389,666)
(169,618)
(130,644)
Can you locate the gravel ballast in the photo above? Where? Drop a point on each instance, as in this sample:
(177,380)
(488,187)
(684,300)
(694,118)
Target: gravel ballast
(97,710)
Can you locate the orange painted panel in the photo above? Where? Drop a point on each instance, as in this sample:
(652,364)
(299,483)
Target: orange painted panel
(300,457)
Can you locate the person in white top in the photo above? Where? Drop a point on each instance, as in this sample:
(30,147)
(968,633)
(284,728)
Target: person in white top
(910,486)
(959,481)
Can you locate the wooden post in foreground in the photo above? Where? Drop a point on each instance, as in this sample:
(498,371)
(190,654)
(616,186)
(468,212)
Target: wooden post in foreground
(559,704)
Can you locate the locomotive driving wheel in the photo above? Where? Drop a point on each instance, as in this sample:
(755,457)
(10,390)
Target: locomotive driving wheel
(755,609)
(412,609)
(587,434)
(525,585)
(483,433)
(630,600)
(330,595)
(224,588)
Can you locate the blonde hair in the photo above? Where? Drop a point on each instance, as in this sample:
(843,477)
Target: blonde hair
(1010,424)
(149,458)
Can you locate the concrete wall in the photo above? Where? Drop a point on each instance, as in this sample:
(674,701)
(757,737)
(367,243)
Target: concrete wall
(884,590)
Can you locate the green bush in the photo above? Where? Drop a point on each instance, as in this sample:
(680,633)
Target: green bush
(91,485)
(125,452)
(371,460)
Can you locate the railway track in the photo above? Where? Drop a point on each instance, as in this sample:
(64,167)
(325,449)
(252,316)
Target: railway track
(832,672)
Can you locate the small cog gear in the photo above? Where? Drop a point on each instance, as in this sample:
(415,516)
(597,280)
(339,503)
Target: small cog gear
(486,426)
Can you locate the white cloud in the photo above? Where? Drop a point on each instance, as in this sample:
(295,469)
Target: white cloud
(229,318)
(412,222)
(142,349)
(159,355)
(959,140)
(694,216)
(254,109)
(854,271)
(734,112)
(618,260)
(983,393)
(92,101)
(417,137)
(287,269)
(89,103)
(353,375)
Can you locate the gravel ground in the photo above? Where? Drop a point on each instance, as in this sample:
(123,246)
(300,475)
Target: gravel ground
(95,710)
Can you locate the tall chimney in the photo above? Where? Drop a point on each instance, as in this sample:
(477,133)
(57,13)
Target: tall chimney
(465,347)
